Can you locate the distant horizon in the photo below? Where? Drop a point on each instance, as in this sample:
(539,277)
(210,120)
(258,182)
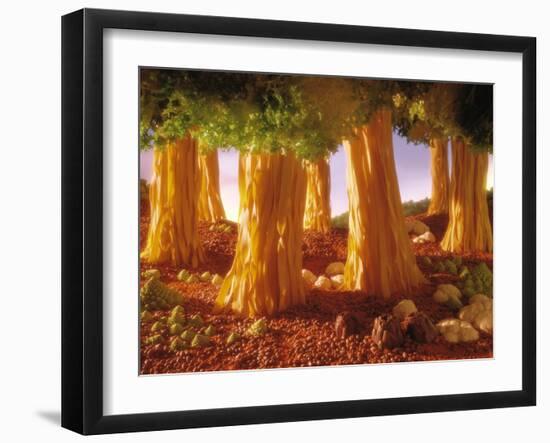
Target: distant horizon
(412,164)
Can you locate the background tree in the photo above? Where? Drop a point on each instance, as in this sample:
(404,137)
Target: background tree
(317,213)
(210,200)
(469,228)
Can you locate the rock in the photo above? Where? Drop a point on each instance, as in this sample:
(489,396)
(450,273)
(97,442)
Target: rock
(479,313)
(457,331)
(404,308)
(151,273)
(427,237)
(217,280)
(416,227)
(487,302)
(309,278)
(337,281)
(420,328)
(386,332)
(323,282)
(448,294)
(347,324)
(259,327)
(335,268)
(205,276)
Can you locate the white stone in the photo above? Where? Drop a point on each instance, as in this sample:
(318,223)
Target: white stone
(335,268)
(337,281)
(323,282)
(308,277)
(457,331)
(404,308)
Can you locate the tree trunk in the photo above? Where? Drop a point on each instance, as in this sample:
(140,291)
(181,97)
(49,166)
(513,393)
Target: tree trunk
(210,201)
(173,194)
(380,259)
(317,212)
(265,276)
(469,228)
(439,203)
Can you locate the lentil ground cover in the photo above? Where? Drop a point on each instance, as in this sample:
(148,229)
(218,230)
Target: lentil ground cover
(305,335)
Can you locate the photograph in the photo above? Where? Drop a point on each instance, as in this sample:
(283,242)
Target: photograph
(293,221)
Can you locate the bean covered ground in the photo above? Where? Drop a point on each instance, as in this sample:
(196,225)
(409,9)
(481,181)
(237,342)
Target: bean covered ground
(304,335)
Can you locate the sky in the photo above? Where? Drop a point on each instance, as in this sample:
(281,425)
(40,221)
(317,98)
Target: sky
(412,163)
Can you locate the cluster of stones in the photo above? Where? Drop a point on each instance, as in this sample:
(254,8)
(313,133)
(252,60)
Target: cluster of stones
(420,231)
(333,279)
(220,227)
(206,277)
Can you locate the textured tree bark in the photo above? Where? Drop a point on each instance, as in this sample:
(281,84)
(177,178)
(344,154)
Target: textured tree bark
(469,228)
(210,201)
(173,195)
(317,212)
(265,276)
(380,259)
(439,203)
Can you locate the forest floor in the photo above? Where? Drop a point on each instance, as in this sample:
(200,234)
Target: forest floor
(304,335)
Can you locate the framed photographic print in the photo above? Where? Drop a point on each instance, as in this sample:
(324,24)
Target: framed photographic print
(269,221)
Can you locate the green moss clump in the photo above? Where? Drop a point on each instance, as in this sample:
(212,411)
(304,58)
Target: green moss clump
(153,339)
(183,275)
(177,344)
(439,267)
(464,272)
(151,273)
(426,261)
(200,340)
(196,321)
(146,316)
(209,331)
(176,329)
(188,335)
(259,327)
(155,295)
(450,267)
(233,338)
(157,326)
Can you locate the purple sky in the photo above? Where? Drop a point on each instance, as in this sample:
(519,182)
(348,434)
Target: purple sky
(413,173)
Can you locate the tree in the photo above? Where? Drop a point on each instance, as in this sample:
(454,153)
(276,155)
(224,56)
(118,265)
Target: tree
(469,227)
(317,213)
(210,204)
(172,236)
(380,260)
(265,275)
(285,129)
(173,194)
(439,201)
(464,113)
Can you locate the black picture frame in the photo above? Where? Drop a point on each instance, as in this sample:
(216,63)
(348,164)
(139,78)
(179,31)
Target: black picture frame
(82,218)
